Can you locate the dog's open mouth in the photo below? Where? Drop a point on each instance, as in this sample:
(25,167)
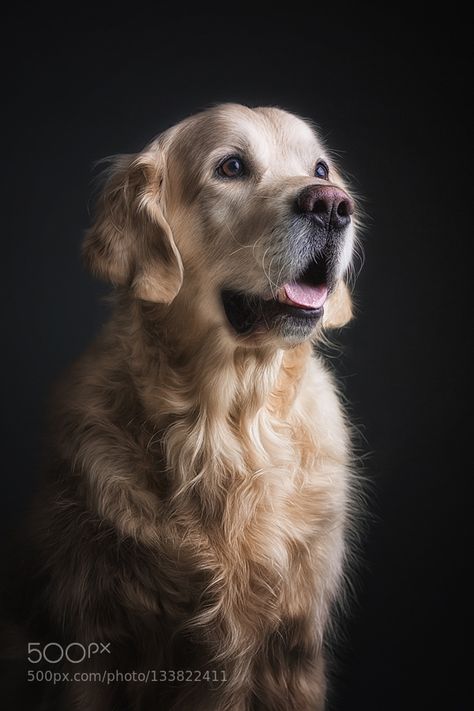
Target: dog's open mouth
(301,300)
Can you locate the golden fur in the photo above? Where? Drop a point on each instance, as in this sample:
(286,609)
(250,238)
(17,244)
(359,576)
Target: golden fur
(198,505)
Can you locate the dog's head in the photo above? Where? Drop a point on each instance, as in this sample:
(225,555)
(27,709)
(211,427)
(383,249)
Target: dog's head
(237,215)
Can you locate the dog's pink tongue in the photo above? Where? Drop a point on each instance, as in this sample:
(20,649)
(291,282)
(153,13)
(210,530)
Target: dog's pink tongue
(306,296)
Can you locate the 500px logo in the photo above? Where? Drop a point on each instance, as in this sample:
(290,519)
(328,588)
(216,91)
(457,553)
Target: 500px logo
(74,652)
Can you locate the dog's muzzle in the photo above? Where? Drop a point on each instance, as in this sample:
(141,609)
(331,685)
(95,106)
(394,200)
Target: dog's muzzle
(300,301)
(298,304)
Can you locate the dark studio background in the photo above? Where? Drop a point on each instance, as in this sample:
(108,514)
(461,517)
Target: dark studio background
(390,95)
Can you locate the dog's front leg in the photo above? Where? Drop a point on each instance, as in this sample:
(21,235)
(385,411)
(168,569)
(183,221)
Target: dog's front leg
(290,673)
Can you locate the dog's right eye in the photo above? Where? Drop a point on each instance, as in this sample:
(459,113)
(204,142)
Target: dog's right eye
(232,167)
(322,170)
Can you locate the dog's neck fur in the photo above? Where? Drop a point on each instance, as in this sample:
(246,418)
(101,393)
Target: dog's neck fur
(210,372)
(224,437)
(216,403)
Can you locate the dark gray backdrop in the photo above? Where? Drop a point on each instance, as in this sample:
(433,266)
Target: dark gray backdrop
(390,94)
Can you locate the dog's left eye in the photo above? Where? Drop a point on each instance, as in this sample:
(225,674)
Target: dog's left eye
(321,170)
(231,168)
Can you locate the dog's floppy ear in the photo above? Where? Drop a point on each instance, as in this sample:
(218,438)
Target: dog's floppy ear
(338,308)
(130,242)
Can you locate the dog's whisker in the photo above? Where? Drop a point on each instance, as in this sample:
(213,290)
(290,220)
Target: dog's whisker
(239,249)
(233,236)
(267,274)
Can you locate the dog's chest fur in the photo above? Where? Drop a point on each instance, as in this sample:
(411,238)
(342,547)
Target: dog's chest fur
(260,496)
(205,507)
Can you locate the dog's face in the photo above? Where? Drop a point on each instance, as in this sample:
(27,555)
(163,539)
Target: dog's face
(238,215)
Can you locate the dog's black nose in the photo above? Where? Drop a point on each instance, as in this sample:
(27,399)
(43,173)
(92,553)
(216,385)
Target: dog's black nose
(330,206)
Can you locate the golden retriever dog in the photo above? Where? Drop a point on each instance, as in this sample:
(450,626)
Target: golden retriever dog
(195,519)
